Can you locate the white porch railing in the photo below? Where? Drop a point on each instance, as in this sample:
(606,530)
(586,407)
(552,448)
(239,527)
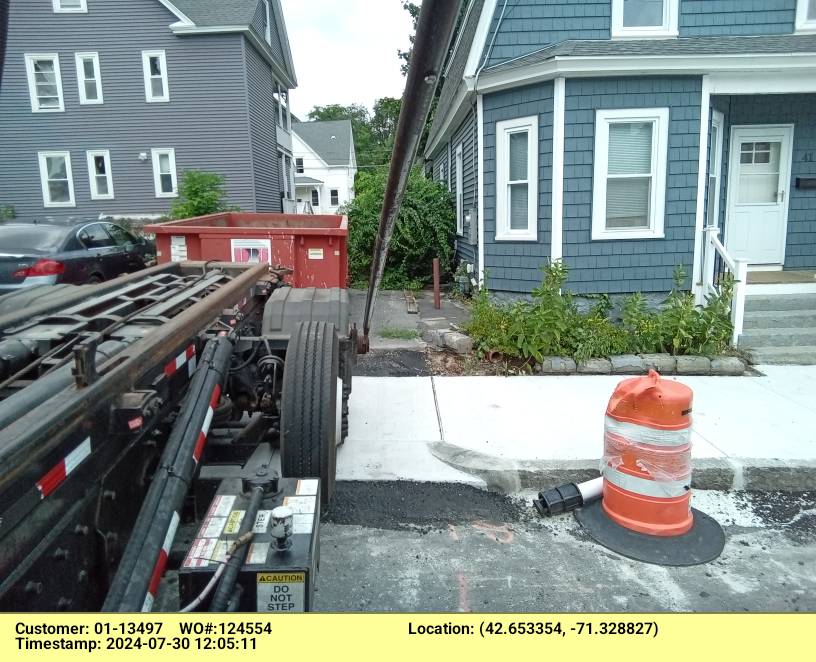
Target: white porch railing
(716,263)
(289,206)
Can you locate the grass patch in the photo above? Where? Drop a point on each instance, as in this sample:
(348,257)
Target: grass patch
(398,333)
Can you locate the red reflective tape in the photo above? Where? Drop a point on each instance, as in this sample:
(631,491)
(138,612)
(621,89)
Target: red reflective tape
(190,351)
(199,447)
(158,571)
(161,563)
(135,423)
(170,369)
(216,396)
(60,471)
(51,480)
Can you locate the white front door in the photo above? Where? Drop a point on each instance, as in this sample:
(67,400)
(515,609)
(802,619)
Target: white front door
(758,180)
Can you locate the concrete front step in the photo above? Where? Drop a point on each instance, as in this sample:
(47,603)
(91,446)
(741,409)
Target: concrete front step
(778,337)
(772,319)
(793,355)
(765,302)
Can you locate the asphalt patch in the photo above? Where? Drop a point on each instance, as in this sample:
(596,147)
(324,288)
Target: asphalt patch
(399,505)
(396,363)
(794,513)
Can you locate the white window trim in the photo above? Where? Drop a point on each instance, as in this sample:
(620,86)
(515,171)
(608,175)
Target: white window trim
(671,12)
(331,202)
(41,156)
(460,192)
(83,100)
(503,131)
(82,9)
(660,144)
(90,155)
(154,157)
(32,87)
(146,55)
(803,25)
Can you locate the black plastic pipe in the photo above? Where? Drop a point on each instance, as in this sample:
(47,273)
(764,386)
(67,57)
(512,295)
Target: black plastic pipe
(170,485)
(226,587)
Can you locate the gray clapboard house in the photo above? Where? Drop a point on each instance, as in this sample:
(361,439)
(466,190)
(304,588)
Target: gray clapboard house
(627,137)
(105,103)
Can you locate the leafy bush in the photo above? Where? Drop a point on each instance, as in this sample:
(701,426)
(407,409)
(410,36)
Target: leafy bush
(550,323)
(424,230)
(200,193)
(7,213)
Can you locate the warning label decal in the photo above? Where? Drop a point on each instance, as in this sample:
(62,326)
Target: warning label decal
(307,487)
(281,592)
(262,521)
(300,504)
(212,527)
(221,506)
(302,523)
(234,521)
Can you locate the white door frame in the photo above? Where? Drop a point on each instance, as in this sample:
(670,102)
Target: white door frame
(785,159)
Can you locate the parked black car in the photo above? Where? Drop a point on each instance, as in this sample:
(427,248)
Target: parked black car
(78,252)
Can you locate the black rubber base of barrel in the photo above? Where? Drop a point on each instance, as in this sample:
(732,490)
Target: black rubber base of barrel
(704,542)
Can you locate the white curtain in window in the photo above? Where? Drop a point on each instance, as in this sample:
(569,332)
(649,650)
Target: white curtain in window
(642,13)
(518,185)
(518,156)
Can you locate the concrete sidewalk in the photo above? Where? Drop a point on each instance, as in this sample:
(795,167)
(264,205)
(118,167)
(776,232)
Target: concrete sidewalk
(512,433)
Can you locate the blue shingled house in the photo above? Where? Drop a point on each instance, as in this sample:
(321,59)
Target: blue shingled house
(627,137)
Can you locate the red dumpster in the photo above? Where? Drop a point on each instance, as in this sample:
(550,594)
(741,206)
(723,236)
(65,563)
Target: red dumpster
(314,246)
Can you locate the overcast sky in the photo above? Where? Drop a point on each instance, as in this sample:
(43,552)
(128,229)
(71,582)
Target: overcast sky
(345,51)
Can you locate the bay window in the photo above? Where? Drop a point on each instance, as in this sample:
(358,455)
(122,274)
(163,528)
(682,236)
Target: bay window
(517,179)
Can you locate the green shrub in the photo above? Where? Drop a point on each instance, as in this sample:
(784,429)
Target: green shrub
(550,324)
(199,193)
(7,213)
(425,229)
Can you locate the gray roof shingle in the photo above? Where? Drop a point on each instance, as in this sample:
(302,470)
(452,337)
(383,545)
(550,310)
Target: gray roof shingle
(331,139)
(207,13)
(763,45)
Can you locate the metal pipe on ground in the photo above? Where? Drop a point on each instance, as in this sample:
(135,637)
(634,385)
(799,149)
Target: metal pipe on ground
(134,585)
(435,25)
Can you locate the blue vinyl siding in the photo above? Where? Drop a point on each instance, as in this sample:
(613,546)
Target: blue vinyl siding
(796,109)
(514,266)
(714,18)
(529,25)
(632,265)
(466,136)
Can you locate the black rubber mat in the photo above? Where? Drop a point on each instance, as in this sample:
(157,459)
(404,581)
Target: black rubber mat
(704,542)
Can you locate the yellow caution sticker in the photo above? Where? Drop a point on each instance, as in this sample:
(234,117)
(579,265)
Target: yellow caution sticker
(281,592)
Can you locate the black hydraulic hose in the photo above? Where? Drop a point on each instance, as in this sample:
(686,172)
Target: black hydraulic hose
(226,587)
(435,26)
(164,499)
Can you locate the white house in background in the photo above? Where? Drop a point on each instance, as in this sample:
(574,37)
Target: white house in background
(325,164)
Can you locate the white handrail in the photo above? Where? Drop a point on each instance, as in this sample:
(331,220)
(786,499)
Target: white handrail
(739,270)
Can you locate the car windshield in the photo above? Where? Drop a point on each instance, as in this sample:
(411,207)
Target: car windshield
(30,238)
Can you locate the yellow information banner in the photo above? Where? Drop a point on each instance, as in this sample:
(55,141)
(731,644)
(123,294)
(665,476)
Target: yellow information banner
(360,637)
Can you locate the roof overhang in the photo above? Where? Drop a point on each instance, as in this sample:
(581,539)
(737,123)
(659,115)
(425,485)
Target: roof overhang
(731,74)
(183,29)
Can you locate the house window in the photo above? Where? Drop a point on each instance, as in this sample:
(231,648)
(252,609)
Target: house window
(99,174)
(299,166)
(315,198)
(334,196)
(44,83)
(645,18)
(268,32)
(460,211)
(89,78)
(714,169)
(517,179)
(154,66)
(806,16)
(164,172)
(629,187)
(56,179)
(70,6)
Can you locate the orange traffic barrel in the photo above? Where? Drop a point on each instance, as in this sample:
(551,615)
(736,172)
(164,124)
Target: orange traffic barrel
(645,512)
(647,456)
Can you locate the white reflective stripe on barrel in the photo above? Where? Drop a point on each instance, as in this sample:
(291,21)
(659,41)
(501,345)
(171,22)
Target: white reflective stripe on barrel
(665,489)
(641,434)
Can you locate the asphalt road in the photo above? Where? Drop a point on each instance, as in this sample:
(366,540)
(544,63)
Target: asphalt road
(388,546)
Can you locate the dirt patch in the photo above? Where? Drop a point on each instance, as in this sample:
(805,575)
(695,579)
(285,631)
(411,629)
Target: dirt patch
(418,506)
(446,362)
(395,363)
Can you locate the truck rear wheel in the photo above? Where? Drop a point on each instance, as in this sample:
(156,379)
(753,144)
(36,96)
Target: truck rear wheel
(309,406)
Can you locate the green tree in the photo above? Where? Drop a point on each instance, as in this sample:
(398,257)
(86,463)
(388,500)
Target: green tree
(200,193)
(424,230)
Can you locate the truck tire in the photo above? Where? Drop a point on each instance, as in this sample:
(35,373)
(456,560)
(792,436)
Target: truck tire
(309,405)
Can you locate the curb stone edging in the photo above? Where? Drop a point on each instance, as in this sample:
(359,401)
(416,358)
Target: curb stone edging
(640,364)
(724,474)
